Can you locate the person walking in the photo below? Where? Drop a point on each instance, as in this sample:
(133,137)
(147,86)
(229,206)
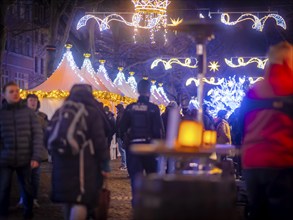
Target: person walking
(78,144)
(223,128)
(267,149)
(140,124)
(121,147)
(21,142)
(33,103)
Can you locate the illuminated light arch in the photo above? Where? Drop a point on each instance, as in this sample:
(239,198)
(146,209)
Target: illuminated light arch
(168,63)
(258,23)
(241,62)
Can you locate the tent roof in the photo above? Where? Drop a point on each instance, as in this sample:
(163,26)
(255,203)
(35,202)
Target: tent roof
(64,77)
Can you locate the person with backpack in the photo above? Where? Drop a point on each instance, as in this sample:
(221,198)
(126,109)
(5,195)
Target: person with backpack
(267,149)
(21,142)
(77,142)
(140,124)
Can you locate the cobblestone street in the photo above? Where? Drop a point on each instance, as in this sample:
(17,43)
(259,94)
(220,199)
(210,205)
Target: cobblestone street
(119,185)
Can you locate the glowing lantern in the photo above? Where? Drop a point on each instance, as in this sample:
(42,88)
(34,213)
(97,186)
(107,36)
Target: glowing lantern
(209,138)
(189,136)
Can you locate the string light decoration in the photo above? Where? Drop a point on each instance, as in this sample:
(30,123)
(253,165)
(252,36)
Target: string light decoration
(241,62)
(68,55)
(132,82)
(102,74)
(168,63)
(150,11)
(258,23)
(211,81)
(88,68)
(227,96)
(124,86)
(214,66)
(120,78)
(162,92)
(60,94)
(148,14)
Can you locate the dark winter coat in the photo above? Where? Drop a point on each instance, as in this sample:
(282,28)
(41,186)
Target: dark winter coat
(118,123)
(66,179)
(141,120)
(21,135)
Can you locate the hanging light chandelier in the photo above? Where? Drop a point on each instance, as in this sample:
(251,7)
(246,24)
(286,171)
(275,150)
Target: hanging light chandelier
(148,14)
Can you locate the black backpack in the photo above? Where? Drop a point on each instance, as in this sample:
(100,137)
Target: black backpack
(67,131)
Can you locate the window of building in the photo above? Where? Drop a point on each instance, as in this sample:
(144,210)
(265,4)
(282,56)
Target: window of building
(42,66)
(5,76)
(12,46)
(28,47)
(36,37)
(21,12)
(20,79)
(20,45)
(28,14)
(42,39)
(36,65)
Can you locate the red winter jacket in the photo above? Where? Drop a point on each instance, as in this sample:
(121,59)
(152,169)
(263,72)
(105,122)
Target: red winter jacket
(268,134)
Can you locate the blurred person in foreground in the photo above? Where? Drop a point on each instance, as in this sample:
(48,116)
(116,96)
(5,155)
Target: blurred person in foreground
(267,156)
(21,141)
(140,124)
(77,142)
(33,103)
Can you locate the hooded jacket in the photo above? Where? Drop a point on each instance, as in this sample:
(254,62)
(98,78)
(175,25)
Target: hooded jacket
(268,133)
(68,186)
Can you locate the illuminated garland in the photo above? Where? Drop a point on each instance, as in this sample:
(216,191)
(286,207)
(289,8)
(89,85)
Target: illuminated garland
(260,63)
(132,82)
(168,63)
(60,94)
(211,81)
(88,68)
(68,55)
(258,23)
(161,91)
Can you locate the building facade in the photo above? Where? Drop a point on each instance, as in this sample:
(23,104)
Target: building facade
(25,49)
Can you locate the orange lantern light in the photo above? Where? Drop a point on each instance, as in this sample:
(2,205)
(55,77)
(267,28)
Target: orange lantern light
(189,136)
(209,138)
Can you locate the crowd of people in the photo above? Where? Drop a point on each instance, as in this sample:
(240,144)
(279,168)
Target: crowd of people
(79,135)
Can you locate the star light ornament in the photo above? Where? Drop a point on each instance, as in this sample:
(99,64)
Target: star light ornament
(214,66)
(258,23)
